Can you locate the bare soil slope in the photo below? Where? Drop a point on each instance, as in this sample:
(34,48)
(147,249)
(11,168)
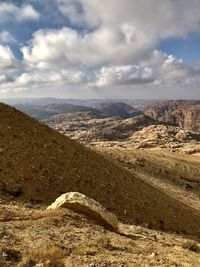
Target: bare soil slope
(39,164)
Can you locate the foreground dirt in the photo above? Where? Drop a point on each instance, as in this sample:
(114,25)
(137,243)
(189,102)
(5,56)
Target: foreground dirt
(32,236)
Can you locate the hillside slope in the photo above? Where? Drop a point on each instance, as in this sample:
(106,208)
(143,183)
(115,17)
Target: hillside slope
(39,164)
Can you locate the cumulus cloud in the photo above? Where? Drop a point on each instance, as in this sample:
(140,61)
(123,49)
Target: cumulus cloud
(69,47)
(122,75)
(10,11)
(4,79)
(8,65)
(170,70)
(7,59)
(158,69)
(107,43)
(115,33)
(6,37)
(42,77)
(161,18)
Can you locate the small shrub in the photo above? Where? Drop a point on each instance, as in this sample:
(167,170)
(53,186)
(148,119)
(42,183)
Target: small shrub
(12,255)
(191,245)
(104,242)
(49,257)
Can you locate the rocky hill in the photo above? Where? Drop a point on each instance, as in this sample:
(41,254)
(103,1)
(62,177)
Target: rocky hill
(89,127)
(185,114)
(139,132)
(38,164)
(167,137)
(159,137)
(119,109)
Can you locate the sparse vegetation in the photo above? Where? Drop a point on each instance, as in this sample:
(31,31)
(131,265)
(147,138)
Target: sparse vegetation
(48,257)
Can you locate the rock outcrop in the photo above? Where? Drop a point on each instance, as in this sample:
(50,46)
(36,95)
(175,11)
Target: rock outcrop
(83,204)
(185,114)
(87,127)
(169,137)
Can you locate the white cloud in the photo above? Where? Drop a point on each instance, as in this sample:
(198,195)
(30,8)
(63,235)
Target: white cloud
(66,47)
(10,12)
(116,46)
(116,32)
(124,75)
(159,68)
(7,37)
(7,59)
(5,79)
(41,77)
(162,18)
(170,70)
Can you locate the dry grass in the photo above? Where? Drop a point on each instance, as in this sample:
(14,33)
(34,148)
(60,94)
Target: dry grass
(62,237)
(46,257)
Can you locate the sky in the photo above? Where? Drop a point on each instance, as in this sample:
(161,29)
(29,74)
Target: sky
(100,49)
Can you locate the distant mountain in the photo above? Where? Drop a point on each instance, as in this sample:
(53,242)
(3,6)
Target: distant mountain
(33,101)
(182,113)
(118,109)
(69,108)
(35,111)
(44,112)
(137,103)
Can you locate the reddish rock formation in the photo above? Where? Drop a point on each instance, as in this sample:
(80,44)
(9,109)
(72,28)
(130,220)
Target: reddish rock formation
(185,114)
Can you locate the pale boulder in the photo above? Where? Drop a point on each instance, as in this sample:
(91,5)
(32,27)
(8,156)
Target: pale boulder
(83,204)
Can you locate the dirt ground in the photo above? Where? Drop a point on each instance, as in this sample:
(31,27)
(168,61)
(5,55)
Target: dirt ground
(32,236)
